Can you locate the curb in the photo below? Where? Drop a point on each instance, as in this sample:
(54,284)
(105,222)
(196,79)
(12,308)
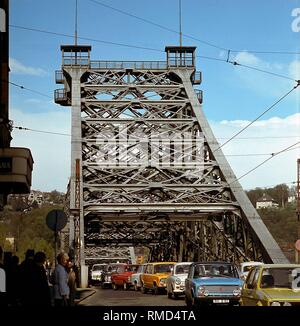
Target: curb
(77,301)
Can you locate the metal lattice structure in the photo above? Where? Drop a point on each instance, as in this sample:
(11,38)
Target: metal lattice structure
(133,184)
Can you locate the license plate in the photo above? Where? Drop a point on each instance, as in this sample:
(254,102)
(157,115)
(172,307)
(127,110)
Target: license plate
(220,301)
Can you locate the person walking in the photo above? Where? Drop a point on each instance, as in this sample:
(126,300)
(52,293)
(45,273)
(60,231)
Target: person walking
(71,283)
(3,302)
(40,287)
(61,278)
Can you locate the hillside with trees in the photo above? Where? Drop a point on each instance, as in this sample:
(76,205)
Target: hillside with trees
(282,221)
(23,225)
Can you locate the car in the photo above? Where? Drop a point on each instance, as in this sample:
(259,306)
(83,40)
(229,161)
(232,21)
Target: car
(155,276)
(246,267)
(106,276)
(97,271)
(212,283)
(135,279)
(122,277)
(272,285)
(176,281)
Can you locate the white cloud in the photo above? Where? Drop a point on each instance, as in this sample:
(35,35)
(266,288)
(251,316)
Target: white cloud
(262,83)
(264,138)
(16,67)
(51,153)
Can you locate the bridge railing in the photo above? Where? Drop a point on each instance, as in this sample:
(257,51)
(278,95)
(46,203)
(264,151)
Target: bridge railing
(159,65)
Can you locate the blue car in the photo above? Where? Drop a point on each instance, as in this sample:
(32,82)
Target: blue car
(213,283)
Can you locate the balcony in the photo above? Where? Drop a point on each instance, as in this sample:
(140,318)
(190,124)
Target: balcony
(61,97)
(59,77)
(199,94)
(197,78)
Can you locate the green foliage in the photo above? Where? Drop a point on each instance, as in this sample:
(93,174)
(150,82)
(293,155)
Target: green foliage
(29,230)
(279,193)
(283,225)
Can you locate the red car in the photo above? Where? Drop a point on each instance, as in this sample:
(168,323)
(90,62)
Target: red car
(121,277)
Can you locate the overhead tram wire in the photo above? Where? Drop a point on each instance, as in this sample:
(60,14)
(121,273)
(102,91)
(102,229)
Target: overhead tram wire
(27,89)
(264,162)
(85,38)
(262,114)
(235,63)
(123,12)
(238,138)
(41,131)
(69,135)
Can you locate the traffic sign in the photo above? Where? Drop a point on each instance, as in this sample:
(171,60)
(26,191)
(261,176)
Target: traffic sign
(56,220)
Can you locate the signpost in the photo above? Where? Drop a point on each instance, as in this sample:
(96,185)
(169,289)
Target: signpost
(56,220)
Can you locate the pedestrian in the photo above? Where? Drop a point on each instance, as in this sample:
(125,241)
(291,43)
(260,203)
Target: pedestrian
(27,268)
(15,281)
(40,286)
(2,281)
(71,283)
(61,287)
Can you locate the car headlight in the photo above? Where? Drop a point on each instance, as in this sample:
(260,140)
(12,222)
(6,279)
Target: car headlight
(237,291)
(287,304)
(178,281)
(201,290)
(275,304)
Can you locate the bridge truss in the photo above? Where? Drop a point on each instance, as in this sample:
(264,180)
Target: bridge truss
(146,167)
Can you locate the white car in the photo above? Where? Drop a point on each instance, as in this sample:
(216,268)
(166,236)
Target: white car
(97,271)
(176,281)
(246,267)
(135,278)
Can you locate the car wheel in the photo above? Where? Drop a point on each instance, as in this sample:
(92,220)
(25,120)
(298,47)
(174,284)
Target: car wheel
(114,286)
(143,289)
(175,296)
(154,289)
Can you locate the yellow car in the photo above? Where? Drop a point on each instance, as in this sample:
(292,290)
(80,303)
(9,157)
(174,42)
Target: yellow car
(272,285)
(155,276)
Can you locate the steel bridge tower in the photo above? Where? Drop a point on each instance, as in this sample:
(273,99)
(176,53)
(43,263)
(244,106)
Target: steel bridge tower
(146,167)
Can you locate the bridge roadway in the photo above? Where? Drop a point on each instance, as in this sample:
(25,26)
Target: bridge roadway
(109,297)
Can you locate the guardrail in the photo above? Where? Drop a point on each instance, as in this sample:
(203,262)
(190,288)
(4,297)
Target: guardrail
(197,78)
(199,94)
(158,65)
(60,95)
(59,77)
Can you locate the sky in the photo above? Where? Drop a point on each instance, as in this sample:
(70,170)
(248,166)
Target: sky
(233,95)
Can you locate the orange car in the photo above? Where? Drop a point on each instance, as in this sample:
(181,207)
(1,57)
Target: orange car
(155,276)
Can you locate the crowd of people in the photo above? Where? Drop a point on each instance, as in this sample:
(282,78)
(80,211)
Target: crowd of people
(33,283)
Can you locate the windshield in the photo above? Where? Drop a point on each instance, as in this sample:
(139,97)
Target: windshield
(182,269)
(215,270)
(99,268)
(278,278)
(141,269)
(163,268)
(115,267)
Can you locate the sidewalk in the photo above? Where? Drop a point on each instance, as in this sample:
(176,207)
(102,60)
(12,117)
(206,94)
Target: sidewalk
(83,293)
